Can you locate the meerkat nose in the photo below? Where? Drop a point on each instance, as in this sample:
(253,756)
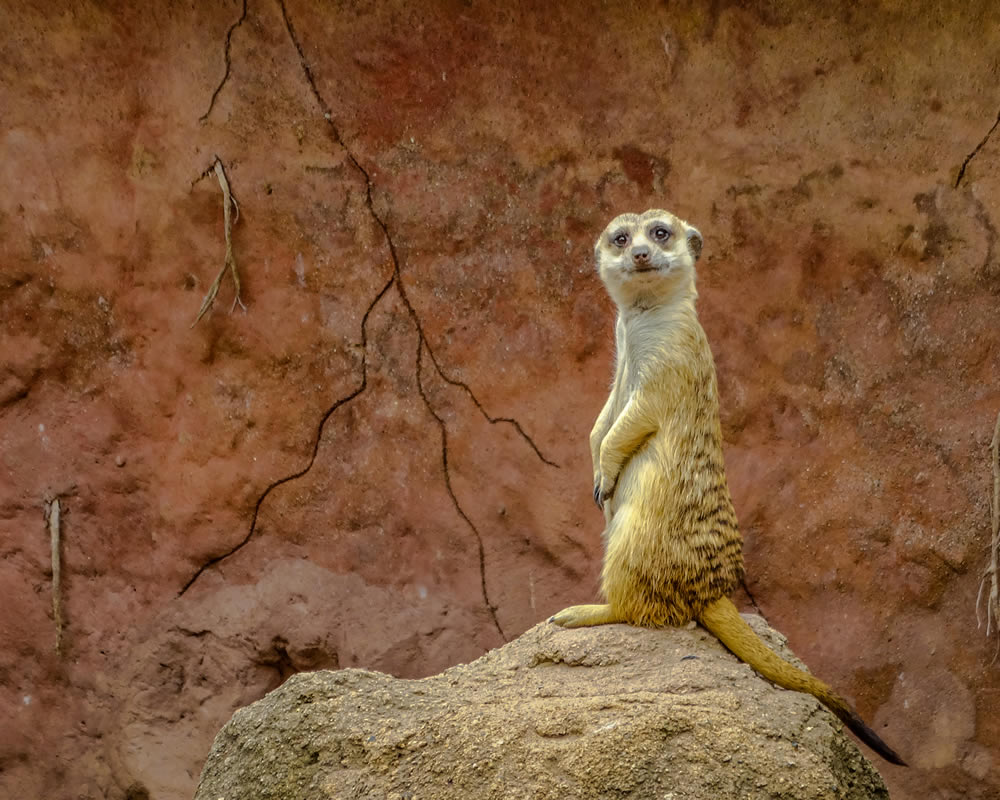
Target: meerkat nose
(640,254)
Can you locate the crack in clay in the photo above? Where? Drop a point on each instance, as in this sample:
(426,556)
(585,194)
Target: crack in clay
(422,342)
(194,634)
(484,412)
(225,77)
(968,158)
(319,436)
(421,337)
(328,116)
(451,492)
(753,600)
(983,217)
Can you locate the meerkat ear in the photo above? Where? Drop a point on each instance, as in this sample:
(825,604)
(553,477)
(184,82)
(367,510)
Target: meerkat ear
(694,241)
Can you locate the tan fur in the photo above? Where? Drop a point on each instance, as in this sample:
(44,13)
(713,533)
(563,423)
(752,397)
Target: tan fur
(673,549)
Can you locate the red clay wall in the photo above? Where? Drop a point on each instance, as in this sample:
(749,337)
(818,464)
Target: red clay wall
(419,189)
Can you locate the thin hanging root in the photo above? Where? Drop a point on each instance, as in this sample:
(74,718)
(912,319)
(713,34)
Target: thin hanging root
(54,538)
(992,571)
(228,205)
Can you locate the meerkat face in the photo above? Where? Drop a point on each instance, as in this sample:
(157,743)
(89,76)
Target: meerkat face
(648,256)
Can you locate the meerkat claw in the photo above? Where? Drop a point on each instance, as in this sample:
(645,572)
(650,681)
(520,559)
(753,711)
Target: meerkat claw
(602,495)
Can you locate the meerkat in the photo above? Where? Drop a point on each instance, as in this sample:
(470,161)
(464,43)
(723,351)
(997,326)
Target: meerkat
(673,548)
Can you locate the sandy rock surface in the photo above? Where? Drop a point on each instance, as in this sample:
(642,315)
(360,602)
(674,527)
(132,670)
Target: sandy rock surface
(554,715)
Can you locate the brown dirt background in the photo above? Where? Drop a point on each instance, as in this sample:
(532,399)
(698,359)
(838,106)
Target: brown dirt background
(384,463)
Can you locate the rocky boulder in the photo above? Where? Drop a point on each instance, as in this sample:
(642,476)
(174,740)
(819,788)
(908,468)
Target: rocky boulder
(600,712)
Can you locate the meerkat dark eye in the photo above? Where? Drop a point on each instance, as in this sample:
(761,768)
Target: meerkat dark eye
(620,239)
(660,233)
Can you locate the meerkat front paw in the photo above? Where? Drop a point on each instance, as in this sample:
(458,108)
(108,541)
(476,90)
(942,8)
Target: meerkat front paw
(603,490)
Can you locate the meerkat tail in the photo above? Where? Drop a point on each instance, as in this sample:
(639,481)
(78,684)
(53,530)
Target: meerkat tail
(723,620)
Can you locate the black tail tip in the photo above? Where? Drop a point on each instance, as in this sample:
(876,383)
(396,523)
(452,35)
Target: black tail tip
(872,739)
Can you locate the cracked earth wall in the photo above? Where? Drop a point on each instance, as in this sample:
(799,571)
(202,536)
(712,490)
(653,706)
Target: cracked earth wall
(384,461)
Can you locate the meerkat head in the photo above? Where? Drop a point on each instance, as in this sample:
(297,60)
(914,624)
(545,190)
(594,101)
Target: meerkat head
(647,259)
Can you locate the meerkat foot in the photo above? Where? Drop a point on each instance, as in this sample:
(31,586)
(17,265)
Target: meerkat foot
(585,616)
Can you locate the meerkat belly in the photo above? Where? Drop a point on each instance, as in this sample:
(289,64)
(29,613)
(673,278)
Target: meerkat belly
(673,545)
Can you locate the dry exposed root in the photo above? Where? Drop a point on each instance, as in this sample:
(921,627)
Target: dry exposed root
(990,575)
(52,511)
(229,204)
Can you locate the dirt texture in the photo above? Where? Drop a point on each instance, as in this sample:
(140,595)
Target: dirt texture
(554,715)
(383,461)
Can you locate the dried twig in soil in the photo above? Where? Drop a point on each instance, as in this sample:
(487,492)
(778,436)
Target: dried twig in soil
(52,516)
(992,572)
(229,204)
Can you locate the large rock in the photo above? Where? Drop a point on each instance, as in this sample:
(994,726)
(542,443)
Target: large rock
(593,713)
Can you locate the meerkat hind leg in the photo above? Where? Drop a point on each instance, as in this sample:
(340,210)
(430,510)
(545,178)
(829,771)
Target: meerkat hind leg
(585,616)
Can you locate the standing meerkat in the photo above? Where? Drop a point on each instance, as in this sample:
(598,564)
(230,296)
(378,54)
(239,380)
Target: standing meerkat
(673,549)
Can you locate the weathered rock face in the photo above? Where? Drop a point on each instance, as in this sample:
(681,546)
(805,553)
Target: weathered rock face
(592,713)
(383,462)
